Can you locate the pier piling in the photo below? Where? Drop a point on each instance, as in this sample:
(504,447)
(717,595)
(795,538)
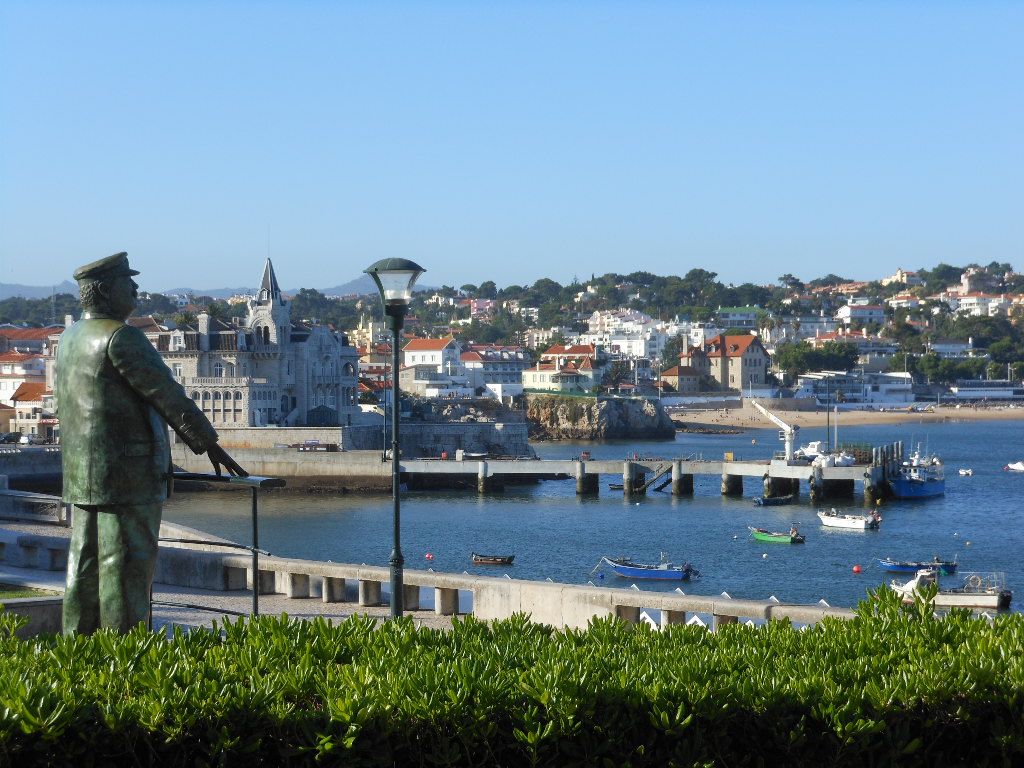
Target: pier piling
(682,485)
(586,483)
(732,485)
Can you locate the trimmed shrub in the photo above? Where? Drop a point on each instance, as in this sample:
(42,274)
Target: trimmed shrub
(894,686)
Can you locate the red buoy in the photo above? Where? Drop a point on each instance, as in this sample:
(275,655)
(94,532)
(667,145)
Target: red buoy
(856,569)
(429,556)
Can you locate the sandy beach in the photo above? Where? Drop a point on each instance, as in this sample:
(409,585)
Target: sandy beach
(748,417)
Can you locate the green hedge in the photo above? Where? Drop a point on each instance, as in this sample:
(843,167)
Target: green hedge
(891,687)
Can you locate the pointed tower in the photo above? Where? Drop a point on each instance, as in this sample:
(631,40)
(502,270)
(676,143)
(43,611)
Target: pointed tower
(269,313)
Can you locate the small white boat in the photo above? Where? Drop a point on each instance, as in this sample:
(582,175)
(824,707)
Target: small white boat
(834,519)
(978,590)
(1016,466)
(967,472)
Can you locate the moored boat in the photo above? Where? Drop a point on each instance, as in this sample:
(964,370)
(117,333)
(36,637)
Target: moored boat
(777,537)
(977,590)
(1015,466)
(629,569)
(945,567)
(774,501)
(966,472)
(491,559)
(834,519)
(920,477)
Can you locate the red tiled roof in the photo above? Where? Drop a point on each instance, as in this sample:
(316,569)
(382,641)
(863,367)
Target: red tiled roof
(733,346)
(29,392)
(428,345)
(28,334)
(18,357)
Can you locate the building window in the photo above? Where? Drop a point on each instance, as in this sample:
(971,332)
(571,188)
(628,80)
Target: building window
(218,371)
(176,370)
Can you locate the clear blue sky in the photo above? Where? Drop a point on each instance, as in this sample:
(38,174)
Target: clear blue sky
(508,141)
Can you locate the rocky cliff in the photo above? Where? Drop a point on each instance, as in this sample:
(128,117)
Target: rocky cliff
(553,417)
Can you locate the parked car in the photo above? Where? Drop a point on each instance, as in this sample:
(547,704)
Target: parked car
(10,437)
(30,440)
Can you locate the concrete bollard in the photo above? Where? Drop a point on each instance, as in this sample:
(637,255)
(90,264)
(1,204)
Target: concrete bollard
(334,589)
(369,592)
(720,621)
(446,601)
(296,585)
(627,613)
(672,617)
(267,581)
(411,597)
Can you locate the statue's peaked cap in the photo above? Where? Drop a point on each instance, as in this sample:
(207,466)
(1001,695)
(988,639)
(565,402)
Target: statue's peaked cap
(111,266)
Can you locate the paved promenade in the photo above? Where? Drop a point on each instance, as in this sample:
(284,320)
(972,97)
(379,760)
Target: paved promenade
(166,617)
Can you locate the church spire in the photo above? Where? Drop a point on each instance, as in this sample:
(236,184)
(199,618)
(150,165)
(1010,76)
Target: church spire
(269,289)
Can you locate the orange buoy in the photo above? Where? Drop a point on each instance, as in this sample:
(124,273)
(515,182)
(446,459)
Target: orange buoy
(856,569)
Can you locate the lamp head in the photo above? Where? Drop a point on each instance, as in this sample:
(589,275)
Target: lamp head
(395,279)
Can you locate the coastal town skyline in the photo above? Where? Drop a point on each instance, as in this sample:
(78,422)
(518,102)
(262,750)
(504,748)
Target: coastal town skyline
(492,143)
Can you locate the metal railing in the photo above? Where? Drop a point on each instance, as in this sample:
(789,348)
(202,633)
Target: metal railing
(255,483)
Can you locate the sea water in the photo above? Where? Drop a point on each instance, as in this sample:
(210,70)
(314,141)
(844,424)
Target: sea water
(558,535)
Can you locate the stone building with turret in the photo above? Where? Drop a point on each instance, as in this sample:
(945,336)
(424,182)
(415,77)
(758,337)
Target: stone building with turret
(267,370)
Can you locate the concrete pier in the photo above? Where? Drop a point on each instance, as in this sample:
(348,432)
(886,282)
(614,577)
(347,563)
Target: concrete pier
(486,482)
(682,484)
(633,476)
(732,485)
(586,483)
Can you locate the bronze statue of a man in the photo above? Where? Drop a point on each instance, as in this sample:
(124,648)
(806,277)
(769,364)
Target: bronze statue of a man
(115,398)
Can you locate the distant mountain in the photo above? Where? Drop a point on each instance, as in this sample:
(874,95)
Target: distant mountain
(362,285)
(9,290)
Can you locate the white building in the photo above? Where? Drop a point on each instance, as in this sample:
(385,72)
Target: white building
(853,387)
(862,314)
(498,370)
(17,368)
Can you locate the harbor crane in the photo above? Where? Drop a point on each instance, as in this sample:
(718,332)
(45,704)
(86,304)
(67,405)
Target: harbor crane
(787,433)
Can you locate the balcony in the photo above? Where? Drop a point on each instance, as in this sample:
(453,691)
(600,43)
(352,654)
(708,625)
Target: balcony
(222,381)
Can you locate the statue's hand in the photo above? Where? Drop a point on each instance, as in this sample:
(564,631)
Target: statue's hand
(218,456)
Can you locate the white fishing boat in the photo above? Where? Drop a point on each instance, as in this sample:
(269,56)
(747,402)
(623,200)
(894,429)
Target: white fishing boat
(1016,466)
(967,472)
(834,519)
(810,451)
(976,590)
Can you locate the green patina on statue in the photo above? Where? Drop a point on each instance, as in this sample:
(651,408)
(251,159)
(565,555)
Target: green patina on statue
(116,397)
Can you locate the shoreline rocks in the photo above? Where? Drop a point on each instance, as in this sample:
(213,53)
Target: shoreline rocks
(558,417)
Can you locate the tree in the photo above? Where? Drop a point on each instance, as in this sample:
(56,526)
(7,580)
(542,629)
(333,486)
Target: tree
(487,290)
(792,358)
(674,348)
(791,282)
(829,279)
(469,289)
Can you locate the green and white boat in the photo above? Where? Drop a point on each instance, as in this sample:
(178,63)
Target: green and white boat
(777,537)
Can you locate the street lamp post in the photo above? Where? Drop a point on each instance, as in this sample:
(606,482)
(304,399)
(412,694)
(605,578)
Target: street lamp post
(395,279)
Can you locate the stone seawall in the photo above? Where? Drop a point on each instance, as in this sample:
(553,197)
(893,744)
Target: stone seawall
(418,438)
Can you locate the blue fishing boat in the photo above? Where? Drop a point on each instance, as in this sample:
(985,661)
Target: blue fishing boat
(628,569)
(921,477)
(946,567)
